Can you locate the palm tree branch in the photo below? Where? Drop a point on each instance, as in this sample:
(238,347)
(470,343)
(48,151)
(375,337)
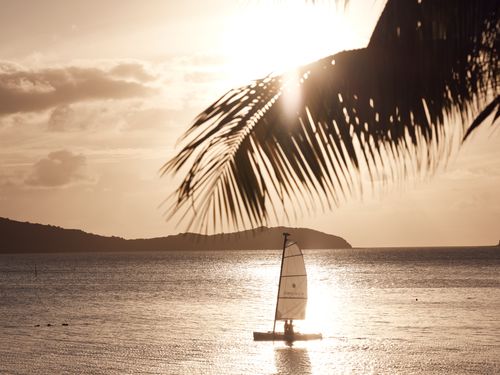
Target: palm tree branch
(382,107)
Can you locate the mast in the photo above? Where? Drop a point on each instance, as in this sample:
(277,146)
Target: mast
(285,235)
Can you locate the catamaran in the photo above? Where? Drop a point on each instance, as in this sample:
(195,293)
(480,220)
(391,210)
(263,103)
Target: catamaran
(292,296)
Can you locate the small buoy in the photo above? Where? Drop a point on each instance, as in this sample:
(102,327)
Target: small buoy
(416,299)
(49,325)
(65,324)
(37,325)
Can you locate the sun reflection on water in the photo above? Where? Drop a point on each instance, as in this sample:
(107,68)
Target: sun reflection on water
(292,360)
(323,308)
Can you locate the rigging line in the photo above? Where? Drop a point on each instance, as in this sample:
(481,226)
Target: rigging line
(293,297)
(304,275)
(291,256)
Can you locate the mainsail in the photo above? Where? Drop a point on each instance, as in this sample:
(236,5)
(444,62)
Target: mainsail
(292,292)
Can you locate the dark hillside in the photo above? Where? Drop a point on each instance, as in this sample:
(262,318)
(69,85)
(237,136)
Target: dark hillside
(19,237)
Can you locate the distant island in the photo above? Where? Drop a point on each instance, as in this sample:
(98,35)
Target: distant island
(24,237)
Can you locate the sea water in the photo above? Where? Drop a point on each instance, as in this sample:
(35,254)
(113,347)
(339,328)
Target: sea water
(381,311)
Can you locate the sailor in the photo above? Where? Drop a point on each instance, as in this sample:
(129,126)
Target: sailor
(288,327)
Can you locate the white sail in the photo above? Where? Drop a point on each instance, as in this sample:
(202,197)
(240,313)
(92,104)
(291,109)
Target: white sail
(292,297)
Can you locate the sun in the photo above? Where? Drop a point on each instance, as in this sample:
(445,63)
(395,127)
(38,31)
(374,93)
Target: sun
(275,37)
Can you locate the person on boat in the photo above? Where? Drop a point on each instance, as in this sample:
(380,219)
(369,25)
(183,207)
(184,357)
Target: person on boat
(288,327)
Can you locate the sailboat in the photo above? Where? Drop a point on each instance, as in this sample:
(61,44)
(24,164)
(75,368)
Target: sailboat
(292,296)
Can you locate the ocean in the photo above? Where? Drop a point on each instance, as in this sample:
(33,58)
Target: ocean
(381,311)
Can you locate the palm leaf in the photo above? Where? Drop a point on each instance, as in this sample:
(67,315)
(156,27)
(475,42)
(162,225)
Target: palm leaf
(381,109)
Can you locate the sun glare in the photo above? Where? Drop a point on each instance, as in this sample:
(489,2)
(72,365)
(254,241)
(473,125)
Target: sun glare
(275,37)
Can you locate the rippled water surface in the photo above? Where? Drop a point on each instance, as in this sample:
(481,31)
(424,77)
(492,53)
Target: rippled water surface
(404,311)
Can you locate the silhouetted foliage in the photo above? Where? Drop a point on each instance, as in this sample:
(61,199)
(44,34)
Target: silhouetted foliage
(382,107)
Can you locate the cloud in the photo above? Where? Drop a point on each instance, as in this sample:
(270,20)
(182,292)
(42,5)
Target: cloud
(155,118)
(65,117)
(36,90)
(132,70)
(9,67)
(104,120)
(59,168)
(60,117)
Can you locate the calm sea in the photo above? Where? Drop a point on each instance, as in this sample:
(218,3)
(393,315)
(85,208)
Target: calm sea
(381,311)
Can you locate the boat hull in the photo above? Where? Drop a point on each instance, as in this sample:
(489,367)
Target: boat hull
(280,336)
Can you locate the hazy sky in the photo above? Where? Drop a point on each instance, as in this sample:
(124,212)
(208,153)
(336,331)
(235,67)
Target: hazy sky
(94,95)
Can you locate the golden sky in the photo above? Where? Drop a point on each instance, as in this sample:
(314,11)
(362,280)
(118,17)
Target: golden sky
(94,95)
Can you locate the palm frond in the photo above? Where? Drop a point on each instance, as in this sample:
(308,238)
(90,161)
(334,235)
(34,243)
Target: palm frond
(382,107)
